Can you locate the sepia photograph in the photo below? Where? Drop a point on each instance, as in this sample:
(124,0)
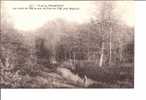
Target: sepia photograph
(67,44)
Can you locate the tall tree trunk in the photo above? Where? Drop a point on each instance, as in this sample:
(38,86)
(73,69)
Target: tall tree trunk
(110,47)
(74,57)
(65,57)
(120,52)
(96,58)
(102,55)
(88,53)
(88,47)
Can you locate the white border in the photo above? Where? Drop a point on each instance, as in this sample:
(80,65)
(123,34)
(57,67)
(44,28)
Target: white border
(139,92)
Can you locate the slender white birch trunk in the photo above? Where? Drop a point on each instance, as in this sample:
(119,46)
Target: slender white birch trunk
(101,56)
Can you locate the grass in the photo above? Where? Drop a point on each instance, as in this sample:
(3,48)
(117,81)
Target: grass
(116,76)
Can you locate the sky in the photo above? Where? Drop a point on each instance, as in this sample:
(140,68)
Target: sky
(28,20)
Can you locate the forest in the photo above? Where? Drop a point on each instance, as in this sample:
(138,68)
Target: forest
(97,54)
